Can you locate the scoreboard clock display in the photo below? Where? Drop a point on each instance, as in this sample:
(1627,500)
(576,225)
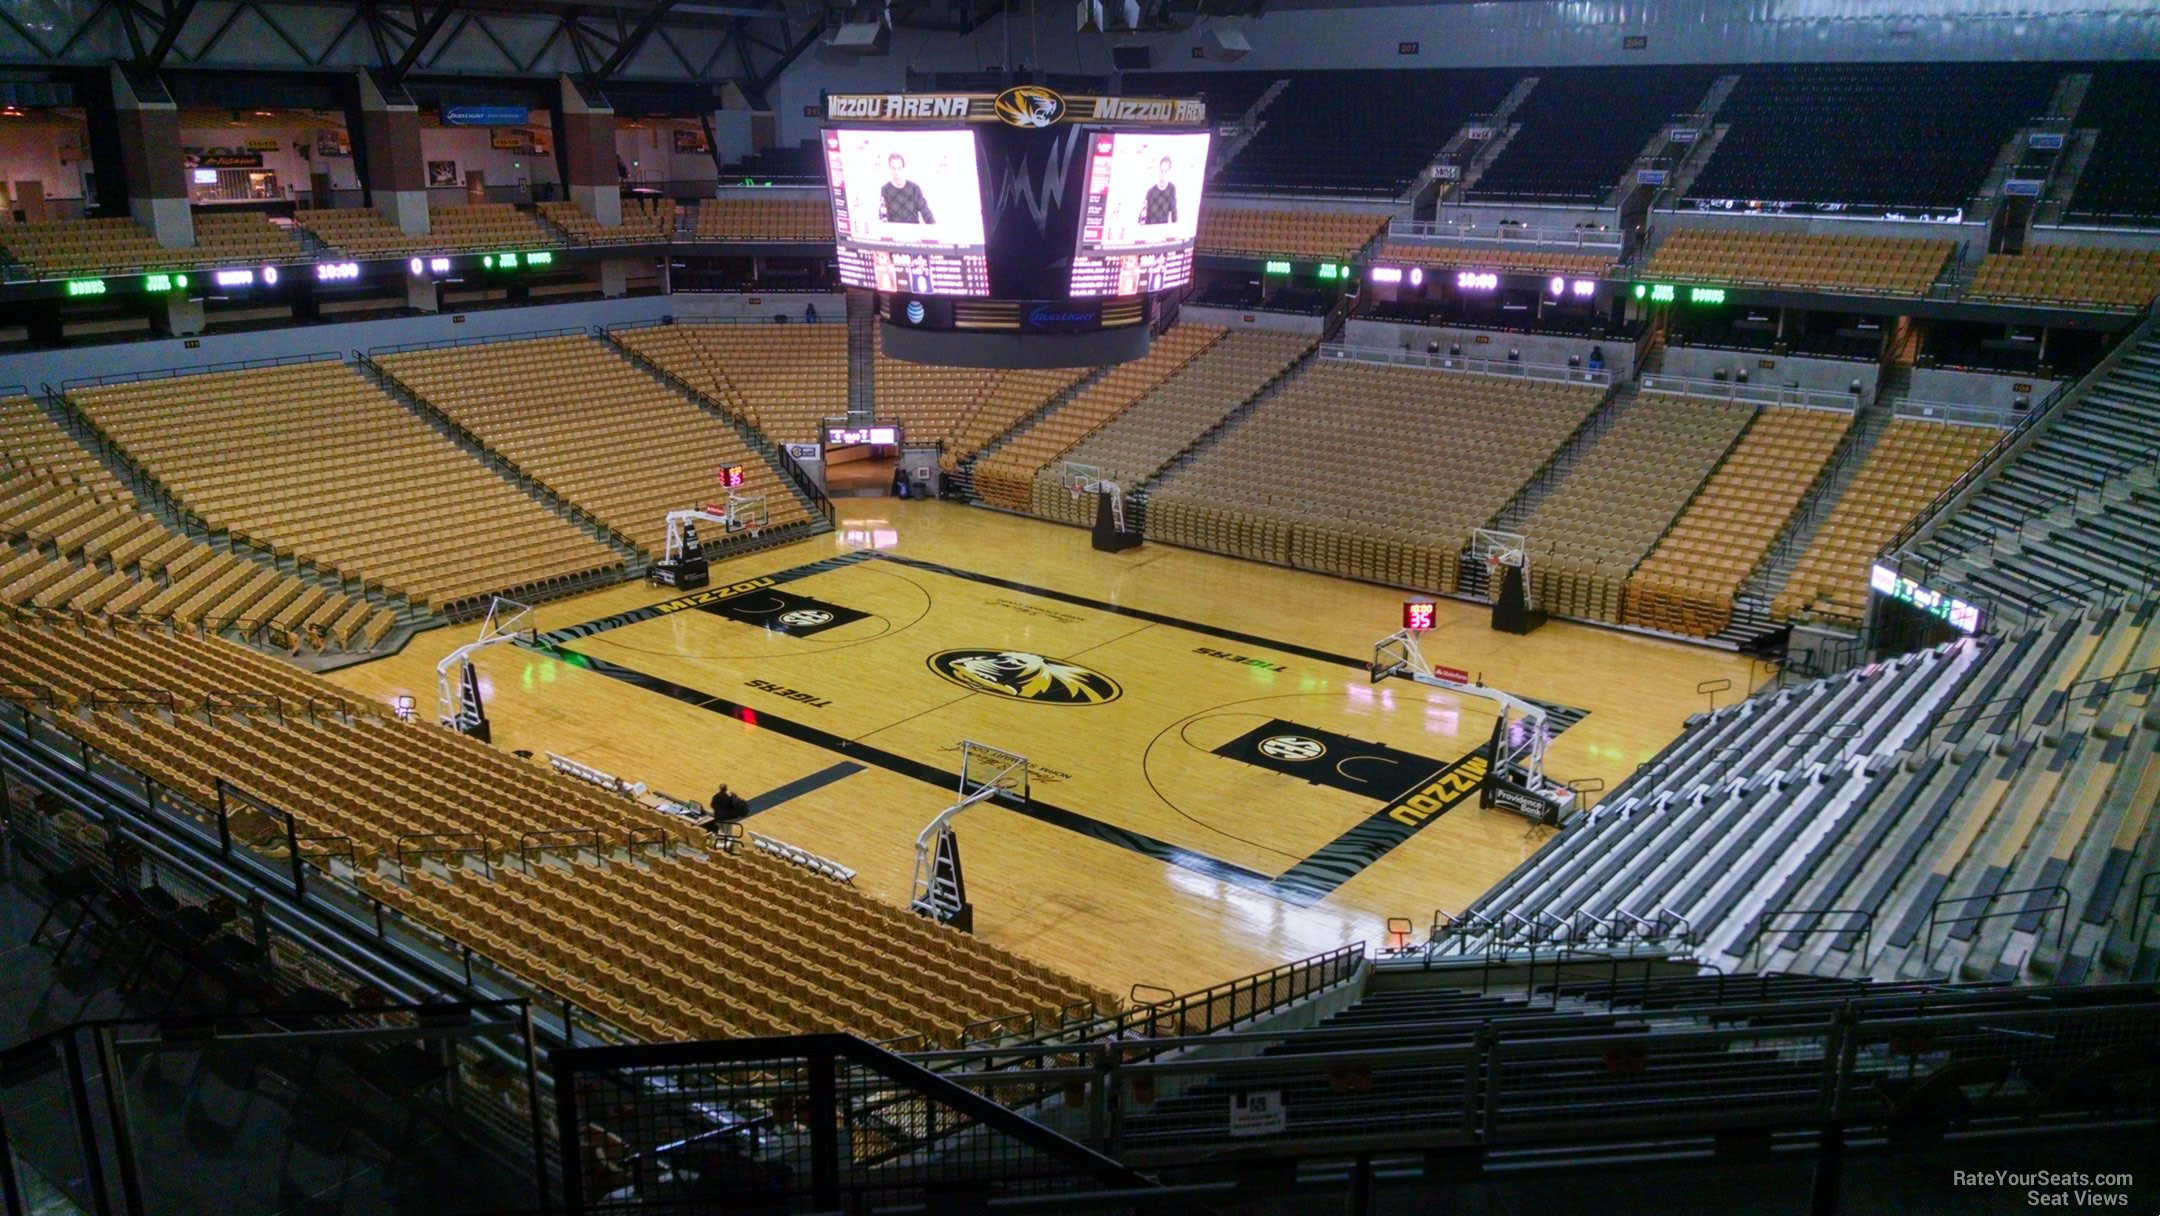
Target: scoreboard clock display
(1417,615)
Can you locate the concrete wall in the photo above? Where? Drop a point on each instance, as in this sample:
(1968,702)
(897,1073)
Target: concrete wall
(55,156)
(1826,375)
(1988,389)
(648,151)
(1550,349)
(34,368)
(1814,225)
(700,305)
(1282,322)
(473,148)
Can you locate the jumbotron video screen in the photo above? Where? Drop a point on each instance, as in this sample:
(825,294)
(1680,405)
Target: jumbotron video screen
(1142,212)
(907,210)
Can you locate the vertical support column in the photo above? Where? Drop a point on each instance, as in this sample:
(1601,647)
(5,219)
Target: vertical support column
(156,182)
(387,152)
(147,133)
(585,142)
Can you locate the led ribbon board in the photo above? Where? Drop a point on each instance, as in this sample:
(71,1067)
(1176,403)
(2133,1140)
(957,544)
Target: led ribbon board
(1963,617)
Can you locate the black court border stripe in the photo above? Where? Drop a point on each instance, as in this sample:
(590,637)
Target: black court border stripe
(1304,884)
(906,766)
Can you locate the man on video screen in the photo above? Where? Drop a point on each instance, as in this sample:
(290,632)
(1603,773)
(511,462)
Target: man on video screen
(901,201)
(1160,207)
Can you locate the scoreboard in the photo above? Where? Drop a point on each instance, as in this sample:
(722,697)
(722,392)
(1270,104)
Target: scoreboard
(1019,229)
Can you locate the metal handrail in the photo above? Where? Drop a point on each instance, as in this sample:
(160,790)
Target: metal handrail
(1935,918)
(482,340)
(1759,394)
(1516,369)
(1763,929)
(1429,230)
(173,373)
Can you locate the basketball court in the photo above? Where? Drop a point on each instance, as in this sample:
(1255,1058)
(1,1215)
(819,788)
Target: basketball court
(1215,782)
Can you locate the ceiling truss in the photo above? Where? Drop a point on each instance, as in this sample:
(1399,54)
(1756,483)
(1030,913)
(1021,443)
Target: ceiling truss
(749,42)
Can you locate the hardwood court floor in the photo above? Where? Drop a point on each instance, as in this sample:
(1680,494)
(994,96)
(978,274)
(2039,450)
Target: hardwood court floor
(1216,784)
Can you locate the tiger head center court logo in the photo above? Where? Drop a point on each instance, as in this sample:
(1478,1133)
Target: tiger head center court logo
(1025,677)
(1292,748)
(806,618)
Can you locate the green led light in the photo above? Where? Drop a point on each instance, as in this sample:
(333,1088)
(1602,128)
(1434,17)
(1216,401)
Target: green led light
(1277,268)
(1661,293)
(1329,270)
(1706,295)
(543,258)
(1641,290)
(157,282)
(86,287)
(488,260)
(507,261)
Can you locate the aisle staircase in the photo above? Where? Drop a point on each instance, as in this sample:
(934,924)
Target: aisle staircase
(1751,607)
(862,323)
(1249,124)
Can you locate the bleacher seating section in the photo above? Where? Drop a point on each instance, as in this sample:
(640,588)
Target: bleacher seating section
(1892,137)
(225,237)
(477,227)
(2066,515)
(1882,792)
(1631,1058)
(771,949)
(1335,236)
(61,247)
(644,220)
(1005,477)
(90,551)
(1379,473)
(484,226)
(1881,265)
(783,379)
(1580,128)
(1913,462)
(1687,583)
(930,403)
(1538,259)
(594,428)
(1595,525)
(1006,403)
(757,218)
(314,462)
(2116,185)
(1194,400)
(2127,279)
(1356,132)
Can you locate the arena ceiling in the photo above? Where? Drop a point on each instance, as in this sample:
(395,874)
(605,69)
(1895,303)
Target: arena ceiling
(602,43)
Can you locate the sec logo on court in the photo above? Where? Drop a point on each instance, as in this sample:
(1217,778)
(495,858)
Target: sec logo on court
(1025,677)
(1292,747)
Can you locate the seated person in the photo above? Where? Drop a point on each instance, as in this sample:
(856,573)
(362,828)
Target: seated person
(728,805)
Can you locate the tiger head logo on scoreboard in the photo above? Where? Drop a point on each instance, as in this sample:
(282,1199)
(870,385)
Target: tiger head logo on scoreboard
(1025,677)
(1030,105)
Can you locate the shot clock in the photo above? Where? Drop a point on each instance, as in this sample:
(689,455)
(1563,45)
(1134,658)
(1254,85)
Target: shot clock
(1417,615)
